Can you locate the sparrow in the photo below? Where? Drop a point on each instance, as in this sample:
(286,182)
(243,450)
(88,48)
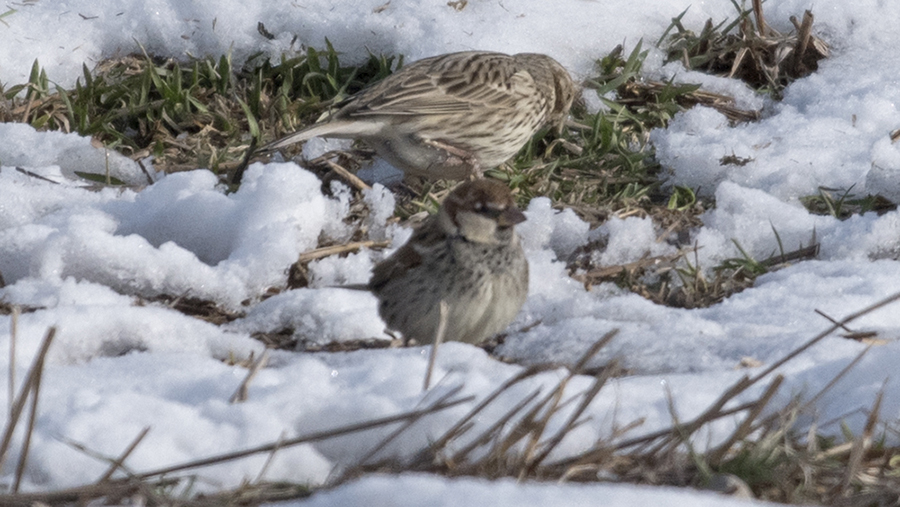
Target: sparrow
(469,256)
(454,115)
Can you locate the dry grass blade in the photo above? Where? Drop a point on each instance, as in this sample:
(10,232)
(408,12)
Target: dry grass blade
(534,422)
(13,331)
(347,175)
(672,436)
(894,136)
(530,426)
(328,251)
(313,437)
(248,495)
(572,422)
(592,351)
(679,432)
(746,427)
(269,459)
(846,320)
(240,395)
(608,273)
(342,172)
(802,253)
(73,496)
(118,462)
(760,19)
(35,175)
(27,388)
(32,415)
(599,451)
(833,321)
(405,426)
(457,428)
(831,383)
(804,32)
(438,339)
(862,444)
(489,433)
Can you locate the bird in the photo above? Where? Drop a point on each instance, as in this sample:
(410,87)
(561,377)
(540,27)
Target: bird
(454,115)
(467,256)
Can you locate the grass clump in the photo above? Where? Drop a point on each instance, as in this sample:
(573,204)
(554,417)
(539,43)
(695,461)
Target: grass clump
(842,204)
(201,113)
(748,48)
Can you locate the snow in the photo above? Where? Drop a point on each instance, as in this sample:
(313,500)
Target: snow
(424,491)
(91,262)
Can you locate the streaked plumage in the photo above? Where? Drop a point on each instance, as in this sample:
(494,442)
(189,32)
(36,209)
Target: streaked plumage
(467,255)
(453,115)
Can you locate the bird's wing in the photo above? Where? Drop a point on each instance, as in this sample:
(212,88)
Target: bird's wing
(455,83)
(410,256)
(394,267)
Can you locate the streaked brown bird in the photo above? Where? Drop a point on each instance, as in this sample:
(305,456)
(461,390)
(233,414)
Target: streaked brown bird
(452,116)
(469,256)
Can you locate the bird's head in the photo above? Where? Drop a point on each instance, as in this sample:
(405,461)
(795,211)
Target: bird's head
(481,211)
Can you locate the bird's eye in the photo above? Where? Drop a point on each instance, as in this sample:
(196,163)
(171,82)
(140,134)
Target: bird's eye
(492,213)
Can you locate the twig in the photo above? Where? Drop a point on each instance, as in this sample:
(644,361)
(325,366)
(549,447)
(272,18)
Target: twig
(118,462)
(313,437)
(438,339)
(19,404)
(240,395)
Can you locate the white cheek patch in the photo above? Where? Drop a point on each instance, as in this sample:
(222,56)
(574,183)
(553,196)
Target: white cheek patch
(476,228)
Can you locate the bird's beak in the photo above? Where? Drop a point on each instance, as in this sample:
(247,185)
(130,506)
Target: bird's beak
(510,217)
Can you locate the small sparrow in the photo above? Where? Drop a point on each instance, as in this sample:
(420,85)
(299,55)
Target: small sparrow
(467,255)
(452,116)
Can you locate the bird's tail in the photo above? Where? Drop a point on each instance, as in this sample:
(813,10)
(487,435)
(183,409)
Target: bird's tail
(339,129)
